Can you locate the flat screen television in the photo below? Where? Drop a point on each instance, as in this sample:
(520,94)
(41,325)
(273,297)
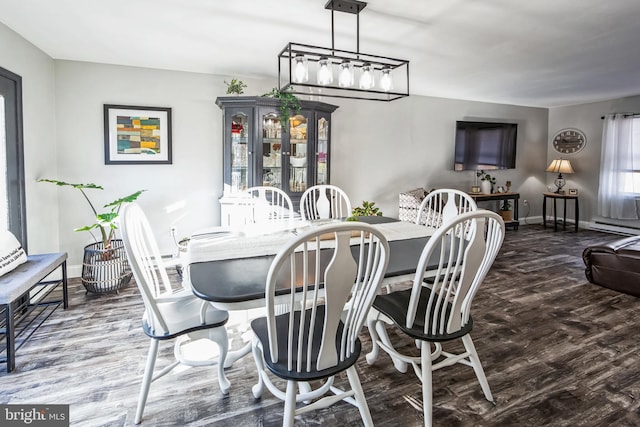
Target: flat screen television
(485,145)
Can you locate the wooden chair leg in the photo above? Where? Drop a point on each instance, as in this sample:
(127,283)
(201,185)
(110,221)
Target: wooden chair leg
(354,381)
(427,378)
(290,404)
(477,367)
(146,379)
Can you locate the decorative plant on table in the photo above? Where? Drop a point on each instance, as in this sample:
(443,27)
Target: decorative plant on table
(236,87)
(486,177)
(288,102)
(104,267)
(367,209)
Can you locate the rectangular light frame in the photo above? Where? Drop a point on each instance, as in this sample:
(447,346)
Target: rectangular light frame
(399,70)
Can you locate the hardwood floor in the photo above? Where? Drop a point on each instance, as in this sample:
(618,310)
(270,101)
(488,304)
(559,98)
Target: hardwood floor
(557,351)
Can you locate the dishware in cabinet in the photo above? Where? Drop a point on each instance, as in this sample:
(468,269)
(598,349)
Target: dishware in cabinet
(265,151)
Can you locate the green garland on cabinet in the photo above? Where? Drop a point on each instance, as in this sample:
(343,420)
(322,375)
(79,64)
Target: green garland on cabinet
(288,102)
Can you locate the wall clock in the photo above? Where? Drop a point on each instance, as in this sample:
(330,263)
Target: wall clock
(569,141)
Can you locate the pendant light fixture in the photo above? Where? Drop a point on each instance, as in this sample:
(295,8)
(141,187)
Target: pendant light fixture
(346,77)
(300,69)
(377,76)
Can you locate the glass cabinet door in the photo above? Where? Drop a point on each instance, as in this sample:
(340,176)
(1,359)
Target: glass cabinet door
(272,173)
(239,152)
(322,171)
(298,153)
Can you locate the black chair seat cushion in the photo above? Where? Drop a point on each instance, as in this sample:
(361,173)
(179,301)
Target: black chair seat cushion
(214,319)
(394,305)
(615,265)
(280,368)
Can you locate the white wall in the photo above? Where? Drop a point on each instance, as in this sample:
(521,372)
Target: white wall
(379,149)
(183,194)
(38,99)
(586,163)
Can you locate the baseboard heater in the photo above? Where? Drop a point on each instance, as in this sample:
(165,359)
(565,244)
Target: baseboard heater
(615,228)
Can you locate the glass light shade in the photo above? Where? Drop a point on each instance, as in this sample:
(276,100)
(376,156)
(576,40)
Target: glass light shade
(386,82)
(300,69)
(325,74)
(345,77)
(367,80)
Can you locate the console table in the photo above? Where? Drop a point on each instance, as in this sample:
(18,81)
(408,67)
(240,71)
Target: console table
(481,197)
(563,197)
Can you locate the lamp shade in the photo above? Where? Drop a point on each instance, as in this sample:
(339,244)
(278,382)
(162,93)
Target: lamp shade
(560,166)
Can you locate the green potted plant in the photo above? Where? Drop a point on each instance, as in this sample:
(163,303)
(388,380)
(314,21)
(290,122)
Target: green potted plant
(288,102)
(104,267)
(366,209)
(506,210)
(235,87)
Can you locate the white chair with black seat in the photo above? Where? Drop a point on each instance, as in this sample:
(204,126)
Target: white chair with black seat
(264,204)
(324,202)
(438,207)
(331,295)
(170,313)
(464,249)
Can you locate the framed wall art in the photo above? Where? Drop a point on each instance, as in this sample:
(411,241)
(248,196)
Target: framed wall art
(137,135)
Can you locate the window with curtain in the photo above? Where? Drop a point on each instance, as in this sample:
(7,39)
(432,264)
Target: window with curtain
(620,167)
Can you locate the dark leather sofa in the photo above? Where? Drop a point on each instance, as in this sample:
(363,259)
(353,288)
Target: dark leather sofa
(615,265)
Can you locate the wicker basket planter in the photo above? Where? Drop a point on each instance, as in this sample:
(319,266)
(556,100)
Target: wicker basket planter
(105,270)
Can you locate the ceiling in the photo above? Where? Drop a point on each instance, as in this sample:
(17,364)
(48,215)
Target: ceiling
(541,53)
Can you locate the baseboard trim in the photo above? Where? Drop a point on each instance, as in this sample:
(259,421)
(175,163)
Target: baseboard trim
(611,228)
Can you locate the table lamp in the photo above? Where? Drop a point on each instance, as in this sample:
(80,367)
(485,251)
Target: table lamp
(560,166)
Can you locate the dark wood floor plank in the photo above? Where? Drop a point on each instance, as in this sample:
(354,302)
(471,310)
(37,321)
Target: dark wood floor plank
(557,351)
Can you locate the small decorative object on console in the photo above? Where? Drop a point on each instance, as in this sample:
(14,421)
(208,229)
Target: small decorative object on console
(573,191)
(486,181)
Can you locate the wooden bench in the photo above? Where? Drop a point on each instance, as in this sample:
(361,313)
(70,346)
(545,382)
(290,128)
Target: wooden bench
(24,302)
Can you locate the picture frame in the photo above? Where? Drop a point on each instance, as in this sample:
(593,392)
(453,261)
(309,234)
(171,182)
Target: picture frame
(137,135)
(573,191)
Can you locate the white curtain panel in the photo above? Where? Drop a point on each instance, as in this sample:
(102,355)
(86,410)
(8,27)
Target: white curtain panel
(618,186)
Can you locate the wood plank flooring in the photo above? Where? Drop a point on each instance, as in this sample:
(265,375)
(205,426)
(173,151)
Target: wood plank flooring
(557,351)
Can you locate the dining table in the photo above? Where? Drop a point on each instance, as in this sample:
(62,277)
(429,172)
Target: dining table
(229,267)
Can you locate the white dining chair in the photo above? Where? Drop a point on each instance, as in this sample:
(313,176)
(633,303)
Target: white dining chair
(442,204)
(463,249)
(264,204)
(438,207)
(324,202)
(329,293)
(170,311)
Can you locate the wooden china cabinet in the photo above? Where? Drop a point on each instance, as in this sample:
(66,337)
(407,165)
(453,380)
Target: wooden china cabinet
(258,150)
